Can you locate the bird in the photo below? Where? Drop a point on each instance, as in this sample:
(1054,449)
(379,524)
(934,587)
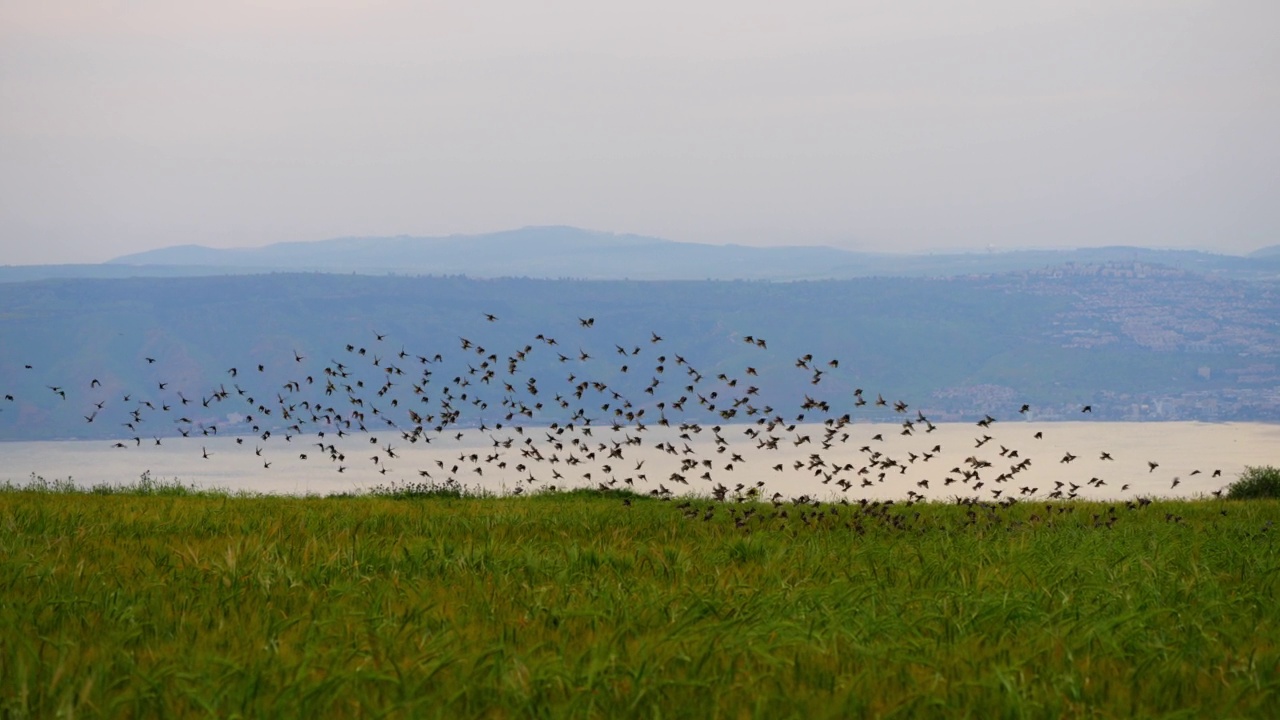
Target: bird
(493,393)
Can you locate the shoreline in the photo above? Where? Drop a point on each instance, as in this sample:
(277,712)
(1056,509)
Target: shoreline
(931,465)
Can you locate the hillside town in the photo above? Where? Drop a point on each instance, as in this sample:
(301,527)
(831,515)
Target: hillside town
(1222,336)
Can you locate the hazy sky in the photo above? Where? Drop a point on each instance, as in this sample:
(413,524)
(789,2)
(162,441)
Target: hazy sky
(903,125)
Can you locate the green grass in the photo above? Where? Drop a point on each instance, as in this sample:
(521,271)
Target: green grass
(578,605)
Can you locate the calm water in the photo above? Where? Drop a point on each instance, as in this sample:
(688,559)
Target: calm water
(1179,449)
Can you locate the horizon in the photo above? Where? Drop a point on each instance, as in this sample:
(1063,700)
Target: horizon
(924,252)
(906,129)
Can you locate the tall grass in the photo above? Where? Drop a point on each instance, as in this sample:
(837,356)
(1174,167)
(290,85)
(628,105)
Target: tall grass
(145,485)
(578,605)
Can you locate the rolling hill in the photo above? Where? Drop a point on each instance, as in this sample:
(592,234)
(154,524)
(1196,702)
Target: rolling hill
(1135,342)
(559,252)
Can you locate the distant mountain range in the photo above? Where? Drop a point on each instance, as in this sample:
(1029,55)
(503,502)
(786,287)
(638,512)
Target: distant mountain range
(558,252)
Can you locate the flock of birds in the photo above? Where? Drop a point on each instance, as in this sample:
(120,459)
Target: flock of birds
(681,432)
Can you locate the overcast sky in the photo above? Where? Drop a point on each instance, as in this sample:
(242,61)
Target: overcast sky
(894,125)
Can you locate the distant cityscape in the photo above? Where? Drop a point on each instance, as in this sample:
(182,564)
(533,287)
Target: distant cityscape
(1232,327)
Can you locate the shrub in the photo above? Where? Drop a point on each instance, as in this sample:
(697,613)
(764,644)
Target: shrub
(1256,482)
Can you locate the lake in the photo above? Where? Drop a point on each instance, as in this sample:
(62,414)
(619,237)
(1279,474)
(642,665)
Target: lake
(876,460)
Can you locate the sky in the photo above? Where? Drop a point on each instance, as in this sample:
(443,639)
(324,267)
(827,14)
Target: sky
(908,126)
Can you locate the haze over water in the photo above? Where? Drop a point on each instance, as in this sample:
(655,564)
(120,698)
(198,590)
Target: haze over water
(1179,448)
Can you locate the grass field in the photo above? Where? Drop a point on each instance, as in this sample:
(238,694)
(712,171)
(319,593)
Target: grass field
(158,602)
